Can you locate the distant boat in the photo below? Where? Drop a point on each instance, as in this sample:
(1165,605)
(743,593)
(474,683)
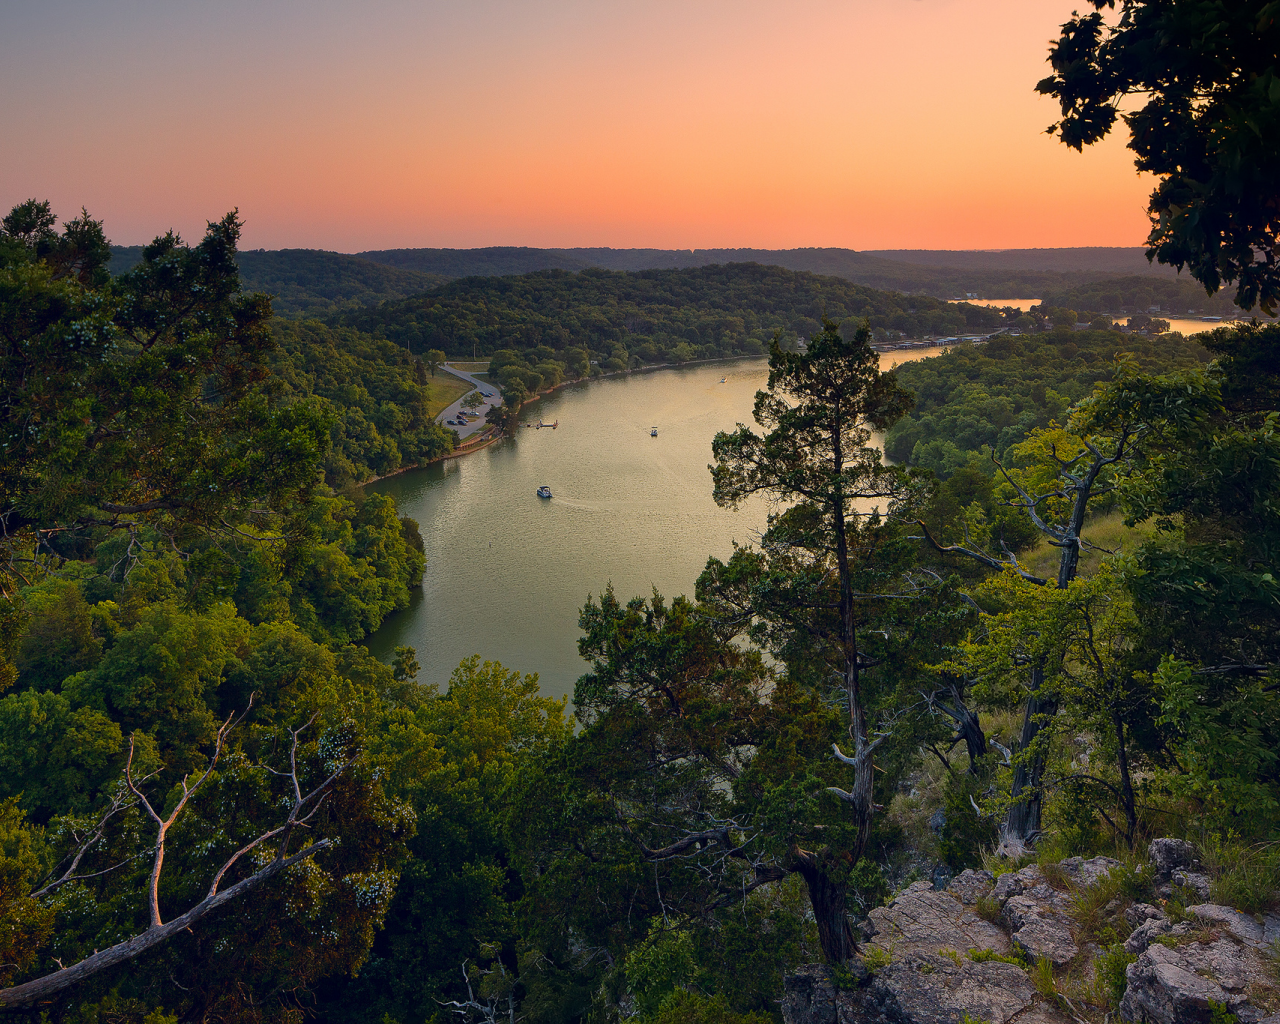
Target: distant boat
(544,491)
(723,380)
(653,431)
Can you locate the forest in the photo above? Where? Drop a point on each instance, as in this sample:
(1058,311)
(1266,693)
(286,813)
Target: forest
(1125,295)
(993,396)
(215,805)
(1011,274)
(626,319)
(309,282)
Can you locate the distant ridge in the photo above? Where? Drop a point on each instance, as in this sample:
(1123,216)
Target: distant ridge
(315,282)
(311,282)
(1009,273)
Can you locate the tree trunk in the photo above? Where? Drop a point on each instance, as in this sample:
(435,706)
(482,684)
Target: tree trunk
(1023,820)
(1126,781)
(830,909)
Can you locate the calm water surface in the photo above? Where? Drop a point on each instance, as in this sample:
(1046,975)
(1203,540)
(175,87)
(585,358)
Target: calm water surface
(507,572)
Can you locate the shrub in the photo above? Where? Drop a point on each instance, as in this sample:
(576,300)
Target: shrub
(1110,972)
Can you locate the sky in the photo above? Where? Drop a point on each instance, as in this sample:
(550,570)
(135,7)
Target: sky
(866,124)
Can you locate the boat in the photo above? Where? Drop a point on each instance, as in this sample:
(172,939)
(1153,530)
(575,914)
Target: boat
(653,431)
(723,380)
(544,491)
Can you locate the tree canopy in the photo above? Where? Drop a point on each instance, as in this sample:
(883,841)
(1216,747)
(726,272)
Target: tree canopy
(1207,76)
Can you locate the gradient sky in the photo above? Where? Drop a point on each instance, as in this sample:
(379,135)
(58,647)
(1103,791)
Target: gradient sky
(870,124)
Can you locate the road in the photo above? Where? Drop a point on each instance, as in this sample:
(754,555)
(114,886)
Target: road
(492,397)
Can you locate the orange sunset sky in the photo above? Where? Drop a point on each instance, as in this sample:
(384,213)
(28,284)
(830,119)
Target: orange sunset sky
(871,124)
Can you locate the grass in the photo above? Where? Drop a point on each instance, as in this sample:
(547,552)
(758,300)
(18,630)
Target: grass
(876,958)
(1106,531)
(1243,875)
(984,956)
(1129,883)
(443,390)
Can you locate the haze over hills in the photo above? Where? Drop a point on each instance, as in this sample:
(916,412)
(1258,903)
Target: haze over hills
(315,282)
(312,282)
(1011,273)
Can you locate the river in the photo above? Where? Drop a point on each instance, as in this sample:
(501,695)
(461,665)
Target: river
(507,572)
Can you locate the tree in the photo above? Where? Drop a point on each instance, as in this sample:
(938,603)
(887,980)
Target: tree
(818,410)
(1066,473)
(434,358)
(140,402)
(1209,127)
(473,400)
(1205,589)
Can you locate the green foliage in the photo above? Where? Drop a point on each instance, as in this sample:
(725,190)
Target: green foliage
(981,956)
(1110,971)
(1207,128)
(965,832)
(1136,295)
(142,400)
(378,411)
(659,316)
(1245,875)
(975,401)
(683,1007)
(310,282)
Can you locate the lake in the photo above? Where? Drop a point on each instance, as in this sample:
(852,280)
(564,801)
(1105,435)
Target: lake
(507,572)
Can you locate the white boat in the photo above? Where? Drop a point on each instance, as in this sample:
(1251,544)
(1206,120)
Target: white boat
(544,491)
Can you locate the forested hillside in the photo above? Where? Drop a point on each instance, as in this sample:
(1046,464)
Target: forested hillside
(1023,273)
(374,395)
(1124,295)
(653,316)
(214,806)
(995,394)
(310,282)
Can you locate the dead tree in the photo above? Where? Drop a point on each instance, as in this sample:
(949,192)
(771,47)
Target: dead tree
(302,808)
(1080,479)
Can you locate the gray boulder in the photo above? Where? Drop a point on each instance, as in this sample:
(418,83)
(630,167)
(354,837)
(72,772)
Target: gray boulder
(1194,881)
(920,989)
(1083,872)
(1040,928)
(930,979)
(1180,986)
(1170,854)
(1263,934)
(923,920)
(1137,913)
(970,886)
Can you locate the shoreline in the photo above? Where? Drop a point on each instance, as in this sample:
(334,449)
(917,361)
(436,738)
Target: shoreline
(463,450)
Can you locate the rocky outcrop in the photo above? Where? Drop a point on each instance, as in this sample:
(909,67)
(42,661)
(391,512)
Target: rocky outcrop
(1184,970)
(1037,914)
(942,960)
(931,978)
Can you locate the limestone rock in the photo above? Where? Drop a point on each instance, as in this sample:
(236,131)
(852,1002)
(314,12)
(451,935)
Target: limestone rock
(1040,928)
(1178,986)
(1137,913)
(1258,934)
(1170,854)
(970,886)
(1193,880)
(1083,872)
(919,989)
(1148,931)
(808,996)
(924,920)
(1015,883)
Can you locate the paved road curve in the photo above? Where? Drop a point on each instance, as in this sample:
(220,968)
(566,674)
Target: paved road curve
(490,392)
